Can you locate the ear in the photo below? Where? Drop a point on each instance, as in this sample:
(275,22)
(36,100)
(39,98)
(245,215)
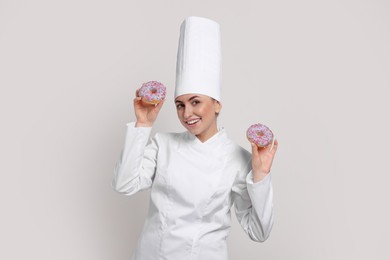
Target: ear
(217,106)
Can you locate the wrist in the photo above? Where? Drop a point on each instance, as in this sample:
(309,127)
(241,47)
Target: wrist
(258,176)
(139,124)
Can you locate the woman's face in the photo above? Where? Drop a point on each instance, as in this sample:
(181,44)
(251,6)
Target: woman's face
(197,113)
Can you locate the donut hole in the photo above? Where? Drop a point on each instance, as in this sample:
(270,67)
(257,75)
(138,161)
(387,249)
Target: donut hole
(153,90)
(260,134)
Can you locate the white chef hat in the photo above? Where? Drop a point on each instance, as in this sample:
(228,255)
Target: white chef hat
(199,59)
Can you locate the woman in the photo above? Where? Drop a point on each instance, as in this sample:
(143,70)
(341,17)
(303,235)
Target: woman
(195,176)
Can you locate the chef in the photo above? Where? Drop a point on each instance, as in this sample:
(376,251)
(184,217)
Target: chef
(195,176)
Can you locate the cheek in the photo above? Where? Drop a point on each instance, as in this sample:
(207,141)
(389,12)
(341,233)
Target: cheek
(180,116)
(178,113)
(207,110)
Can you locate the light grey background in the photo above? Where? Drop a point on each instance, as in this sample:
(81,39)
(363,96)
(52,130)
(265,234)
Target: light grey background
(316,72)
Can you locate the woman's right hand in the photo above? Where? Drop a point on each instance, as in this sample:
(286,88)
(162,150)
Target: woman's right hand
(146,113)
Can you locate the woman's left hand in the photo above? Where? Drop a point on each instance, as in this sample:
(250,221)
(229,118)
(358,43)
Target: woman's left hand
(262,158)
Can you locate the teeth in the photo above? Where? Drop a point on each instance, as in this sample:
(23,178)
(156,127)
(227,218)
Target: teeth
(192,121)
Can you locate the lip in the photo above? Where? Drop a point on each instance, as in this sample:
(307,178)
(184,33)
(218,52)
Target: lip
(193,125)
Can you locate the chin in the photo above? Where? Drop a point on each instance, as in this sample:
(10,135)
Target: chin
(192,131)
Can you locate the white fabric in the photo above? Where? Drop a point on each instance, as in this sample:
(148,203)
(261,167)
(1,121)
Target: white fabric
(199,59)
(193,187)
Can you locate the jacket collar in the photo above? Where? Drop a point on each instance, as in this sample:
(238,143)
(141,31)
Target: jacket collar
(216,138)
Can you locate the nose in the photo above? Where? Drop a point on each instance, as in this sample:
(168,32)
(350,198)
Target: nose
(187,112)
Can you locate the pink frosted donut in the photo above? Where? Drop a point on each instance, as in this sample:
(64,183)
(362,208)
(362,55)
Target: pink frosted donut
(259,134)
(152,92)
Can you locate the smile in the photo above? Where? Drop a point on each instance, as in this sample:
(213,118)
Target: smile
(192,122)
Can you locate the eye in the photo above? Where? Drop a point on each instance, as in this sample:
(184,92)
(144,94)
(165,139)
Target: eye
(179,105)
(194,102)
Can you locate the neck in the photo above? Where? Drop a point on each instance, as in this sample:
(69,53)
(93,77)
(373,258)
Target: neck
(205,136)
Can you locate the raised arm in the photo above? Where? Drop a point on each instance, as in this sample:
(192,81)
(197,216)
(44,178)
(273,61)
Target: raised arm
(136,167)
(253,205)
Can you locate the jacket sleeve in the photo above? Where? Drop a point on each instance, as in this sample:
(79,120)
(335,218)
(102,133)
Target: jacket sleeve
(136,167)
(253,205)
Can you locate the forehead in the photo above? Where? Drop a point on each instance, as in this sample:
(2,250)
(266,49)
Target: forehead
(187,97)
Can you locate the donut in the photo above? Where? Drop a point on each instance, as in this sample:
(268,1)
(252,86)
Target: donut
(152,92)
(259,134)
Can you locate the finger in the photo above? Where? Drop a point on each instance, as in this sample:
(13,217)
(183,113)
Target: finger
(137,99)
(159,105)
(271,145)
(137,92)
(255,150)
(275,146)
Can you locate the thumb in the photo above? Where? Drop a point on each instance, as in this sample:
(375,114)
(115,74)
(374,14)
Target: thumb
(159,105)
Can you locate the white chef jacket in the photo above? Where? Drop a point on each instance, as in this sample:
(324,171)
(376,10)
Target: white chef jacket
(193,186)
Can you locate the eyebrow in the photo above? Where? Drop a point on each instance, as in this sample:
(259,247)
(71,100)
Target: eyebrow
(191,98)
